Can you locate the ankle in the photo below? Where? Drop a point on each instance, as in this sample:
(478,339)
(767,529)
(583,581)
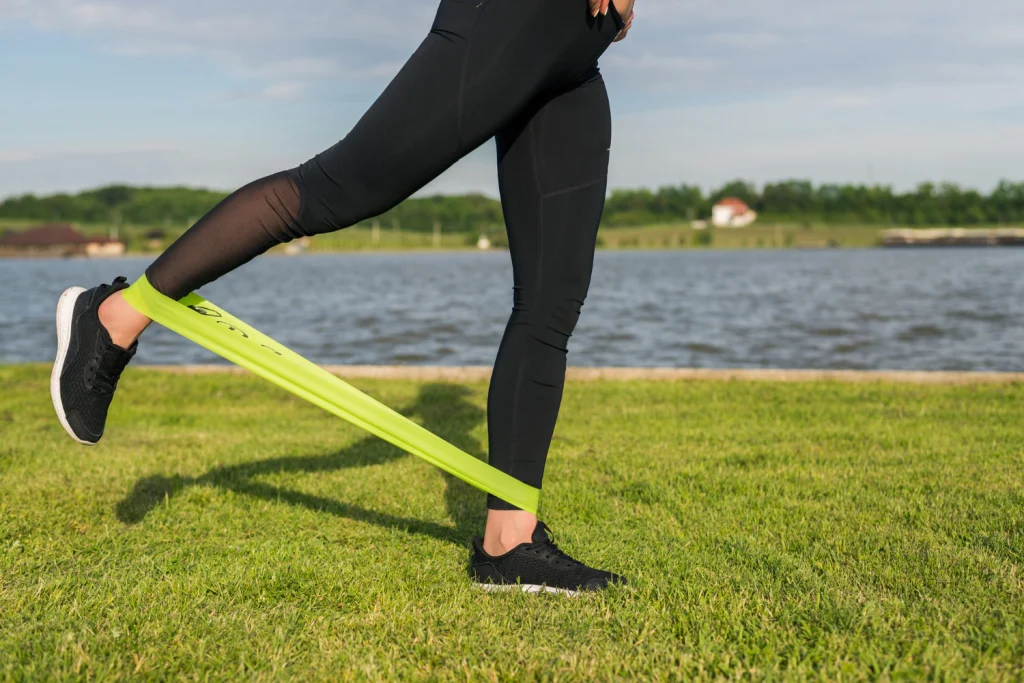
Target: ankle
(507,529)
(123,323)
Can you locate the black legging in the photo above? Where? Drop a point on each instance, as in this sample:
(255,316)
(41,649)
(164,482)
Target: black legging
(522,71)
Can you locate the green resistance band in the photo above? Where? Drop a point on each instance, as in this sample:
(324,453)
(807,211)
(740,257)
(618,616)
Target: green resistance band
(211,327)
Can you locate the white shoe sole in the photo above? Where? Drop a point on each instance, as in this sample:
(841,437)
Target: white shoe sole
(65,315)
(523,587)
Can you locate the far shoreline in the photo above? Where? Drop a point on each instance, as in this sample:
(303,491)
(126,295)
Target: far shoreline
(660,238)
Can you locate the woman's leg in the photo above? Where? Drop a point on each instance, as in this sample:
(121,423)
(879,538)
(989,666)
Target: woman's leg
(481,64)
(553,166)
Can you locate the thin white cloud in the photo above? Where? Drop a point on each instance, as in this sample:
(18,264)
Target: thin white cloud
(1012,34)
(142,49)
(747,40)
(36,154)
(671,63)
(285,91)
(100,15)
(848,101)
(304,66)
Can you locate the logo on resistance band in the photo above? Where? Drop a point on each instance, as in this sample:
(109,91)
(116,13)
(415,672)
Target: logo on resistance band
(211,313)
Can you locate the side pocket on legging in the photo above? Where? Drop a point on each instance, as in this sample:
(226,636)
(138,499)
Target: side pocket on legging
(572,138)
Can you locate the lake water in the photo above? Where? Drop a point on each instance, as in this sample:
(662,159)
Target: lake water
(929,309)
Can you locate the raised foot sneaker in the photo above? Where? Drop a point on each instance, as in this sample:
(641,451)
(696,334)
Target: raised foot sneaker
(88,363)
(536,567)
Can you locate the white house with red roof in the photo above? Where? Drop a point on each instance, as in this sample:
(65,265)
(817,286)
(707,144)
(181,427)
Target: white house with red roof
(731,212)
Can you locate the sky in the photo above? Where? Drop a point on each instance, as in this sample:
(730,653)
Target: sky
(215,93)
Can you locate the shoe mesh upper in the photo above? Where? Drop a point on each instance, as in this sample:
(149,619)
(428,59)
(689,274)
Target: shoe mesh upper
(538,563)
(92,366)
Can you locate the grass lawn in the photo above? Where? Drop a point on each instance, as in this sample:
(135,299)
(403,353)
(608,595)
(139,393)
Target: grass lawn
(224,529)
(760,235)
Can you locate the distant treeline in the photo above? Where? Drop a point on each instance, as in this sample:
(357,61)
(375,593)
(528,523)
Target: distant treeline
(176,207)
(794,201)
(800,201)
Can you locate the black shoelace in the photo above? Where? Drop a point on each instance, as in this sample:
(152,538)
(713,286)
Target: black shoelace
(107,370)
(550,551)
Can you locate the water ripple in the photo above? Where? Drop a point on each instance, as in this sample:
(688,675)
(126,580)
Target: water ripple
(866,309)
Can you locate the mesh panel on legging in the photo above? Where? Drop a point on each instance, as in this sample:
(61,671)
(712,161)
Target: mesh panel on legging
(253,219)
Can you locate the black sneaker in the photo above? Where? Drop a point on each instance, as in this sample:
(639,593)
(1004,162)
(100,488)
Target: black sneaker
(88,363)
(536,567)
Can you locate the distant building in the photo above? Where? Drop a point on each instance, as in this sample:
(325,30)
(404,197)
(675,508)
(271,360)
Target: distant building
(155,239)
(732,213)
(57,239)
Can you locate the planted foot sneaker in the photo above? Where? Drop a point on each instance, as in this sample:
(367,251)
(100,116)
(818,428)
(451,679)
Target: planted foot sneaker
(88,363)
(539,566)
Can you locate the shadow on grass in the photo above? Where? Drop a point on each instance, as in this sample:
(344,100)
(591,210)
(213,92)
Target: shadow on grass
(444,410)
